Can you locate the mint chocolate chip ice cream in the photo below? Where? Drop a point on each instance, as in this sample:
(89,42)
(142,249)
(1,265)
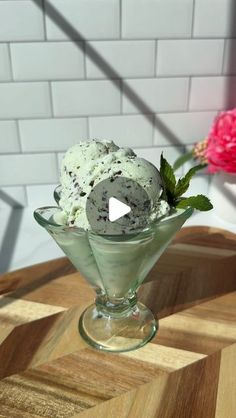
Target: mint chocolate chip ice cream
(88,163)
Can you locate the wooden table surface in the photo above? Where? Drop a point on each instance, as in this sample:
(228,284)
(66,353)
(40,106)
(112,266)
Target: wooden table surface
(186,371)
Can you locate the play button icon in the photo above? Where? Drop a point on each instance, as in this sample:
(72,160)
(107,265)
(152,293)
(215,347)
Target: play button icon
(118,206)
(117,209)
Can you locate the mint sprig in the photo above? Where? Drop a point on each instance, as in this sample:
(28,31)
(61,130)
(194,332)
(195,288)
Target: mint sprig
(199,202)
(168,175)
(169,180)
(173,190)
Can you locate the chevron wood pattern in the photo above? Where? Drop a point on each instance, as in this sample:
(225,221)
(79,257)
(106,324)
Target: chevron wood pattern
(186,371)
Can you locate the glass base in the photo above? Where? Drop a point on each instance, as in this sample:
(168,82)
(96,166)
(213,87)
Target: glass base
(118,333)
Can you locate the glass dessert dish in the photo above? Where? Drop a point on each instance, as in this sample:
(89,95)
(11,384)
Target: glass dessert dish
(115,267)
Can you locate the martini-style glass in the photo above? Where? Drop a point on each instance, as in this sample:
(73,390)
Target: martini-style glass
(115,267)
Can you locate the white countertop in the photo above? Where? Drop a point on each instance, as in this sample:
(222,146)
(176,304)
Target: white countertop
(25,243)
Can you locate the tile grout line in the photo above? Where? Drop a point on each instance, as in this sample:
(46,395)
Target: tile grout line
(189,94)
(52,152)
(146,39)
(120,22)
(18,135)
(109,80)
(57,164)
(193,18)
(88,126)
(155,75)
(121,98)
(26,195)
(44,20)
(107,115)
(155,58)
(10,61)
(51,100)
(85,60)
(223,57)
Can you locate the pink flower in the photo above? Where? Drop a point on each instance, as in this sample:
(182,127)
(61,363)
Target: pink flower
(221,143)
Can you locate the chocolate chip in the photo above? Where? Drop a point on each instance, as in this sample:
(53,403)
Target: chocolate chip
(82,194)
(91,183)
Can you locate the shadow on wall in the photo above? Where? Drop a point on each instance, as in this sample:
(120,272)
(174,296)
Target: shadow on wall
(231,64)
(74,35)
(13,225)
(11,232)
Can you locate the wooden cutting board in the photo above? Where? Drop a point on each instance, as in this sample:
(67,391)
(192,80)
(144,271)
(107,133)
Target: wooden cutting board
(186,371)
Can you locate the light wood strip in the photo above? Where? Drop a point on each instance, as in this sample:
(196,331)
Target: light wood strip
(165,358)
(16,311)
(226,399)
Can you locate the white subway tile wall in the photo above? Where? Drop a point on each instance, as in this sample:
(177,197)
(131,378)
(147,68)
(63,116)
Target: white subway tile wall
(21,21)
(91,19)
(229,65)
(186,128)
(155,95)
(22,100)
(127,58)
(131,130)
(214,18)
(9,141)
(47,61)
(28,169)
(214,93)
(156,18)
(190,57)
(85,98)
(5,69)
(39,135)
(149,74)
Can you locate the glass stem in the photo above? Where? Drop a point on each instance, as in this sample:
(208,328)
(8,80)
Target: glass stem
(115,307)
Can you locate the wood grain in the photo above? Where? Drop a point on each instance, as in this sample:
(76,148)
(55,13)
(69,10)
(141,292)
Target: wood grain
(187,371)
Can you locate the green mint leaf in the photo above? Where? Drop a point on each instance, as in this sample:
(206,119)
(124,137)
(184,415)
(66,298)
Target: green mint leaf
(168,177)
(199,202)
(183,183)
(182,160)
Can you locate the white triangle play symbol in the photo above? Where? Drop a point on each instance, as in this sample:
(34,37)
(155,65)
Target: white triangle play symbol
(117,209)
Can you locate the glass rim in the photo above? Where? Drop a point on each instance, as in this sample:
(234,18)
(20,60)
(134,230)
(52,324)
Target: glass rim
(149,228)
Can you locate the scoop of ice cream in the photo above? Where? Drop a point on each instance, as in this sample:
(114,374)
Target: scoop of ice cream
(88,163)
